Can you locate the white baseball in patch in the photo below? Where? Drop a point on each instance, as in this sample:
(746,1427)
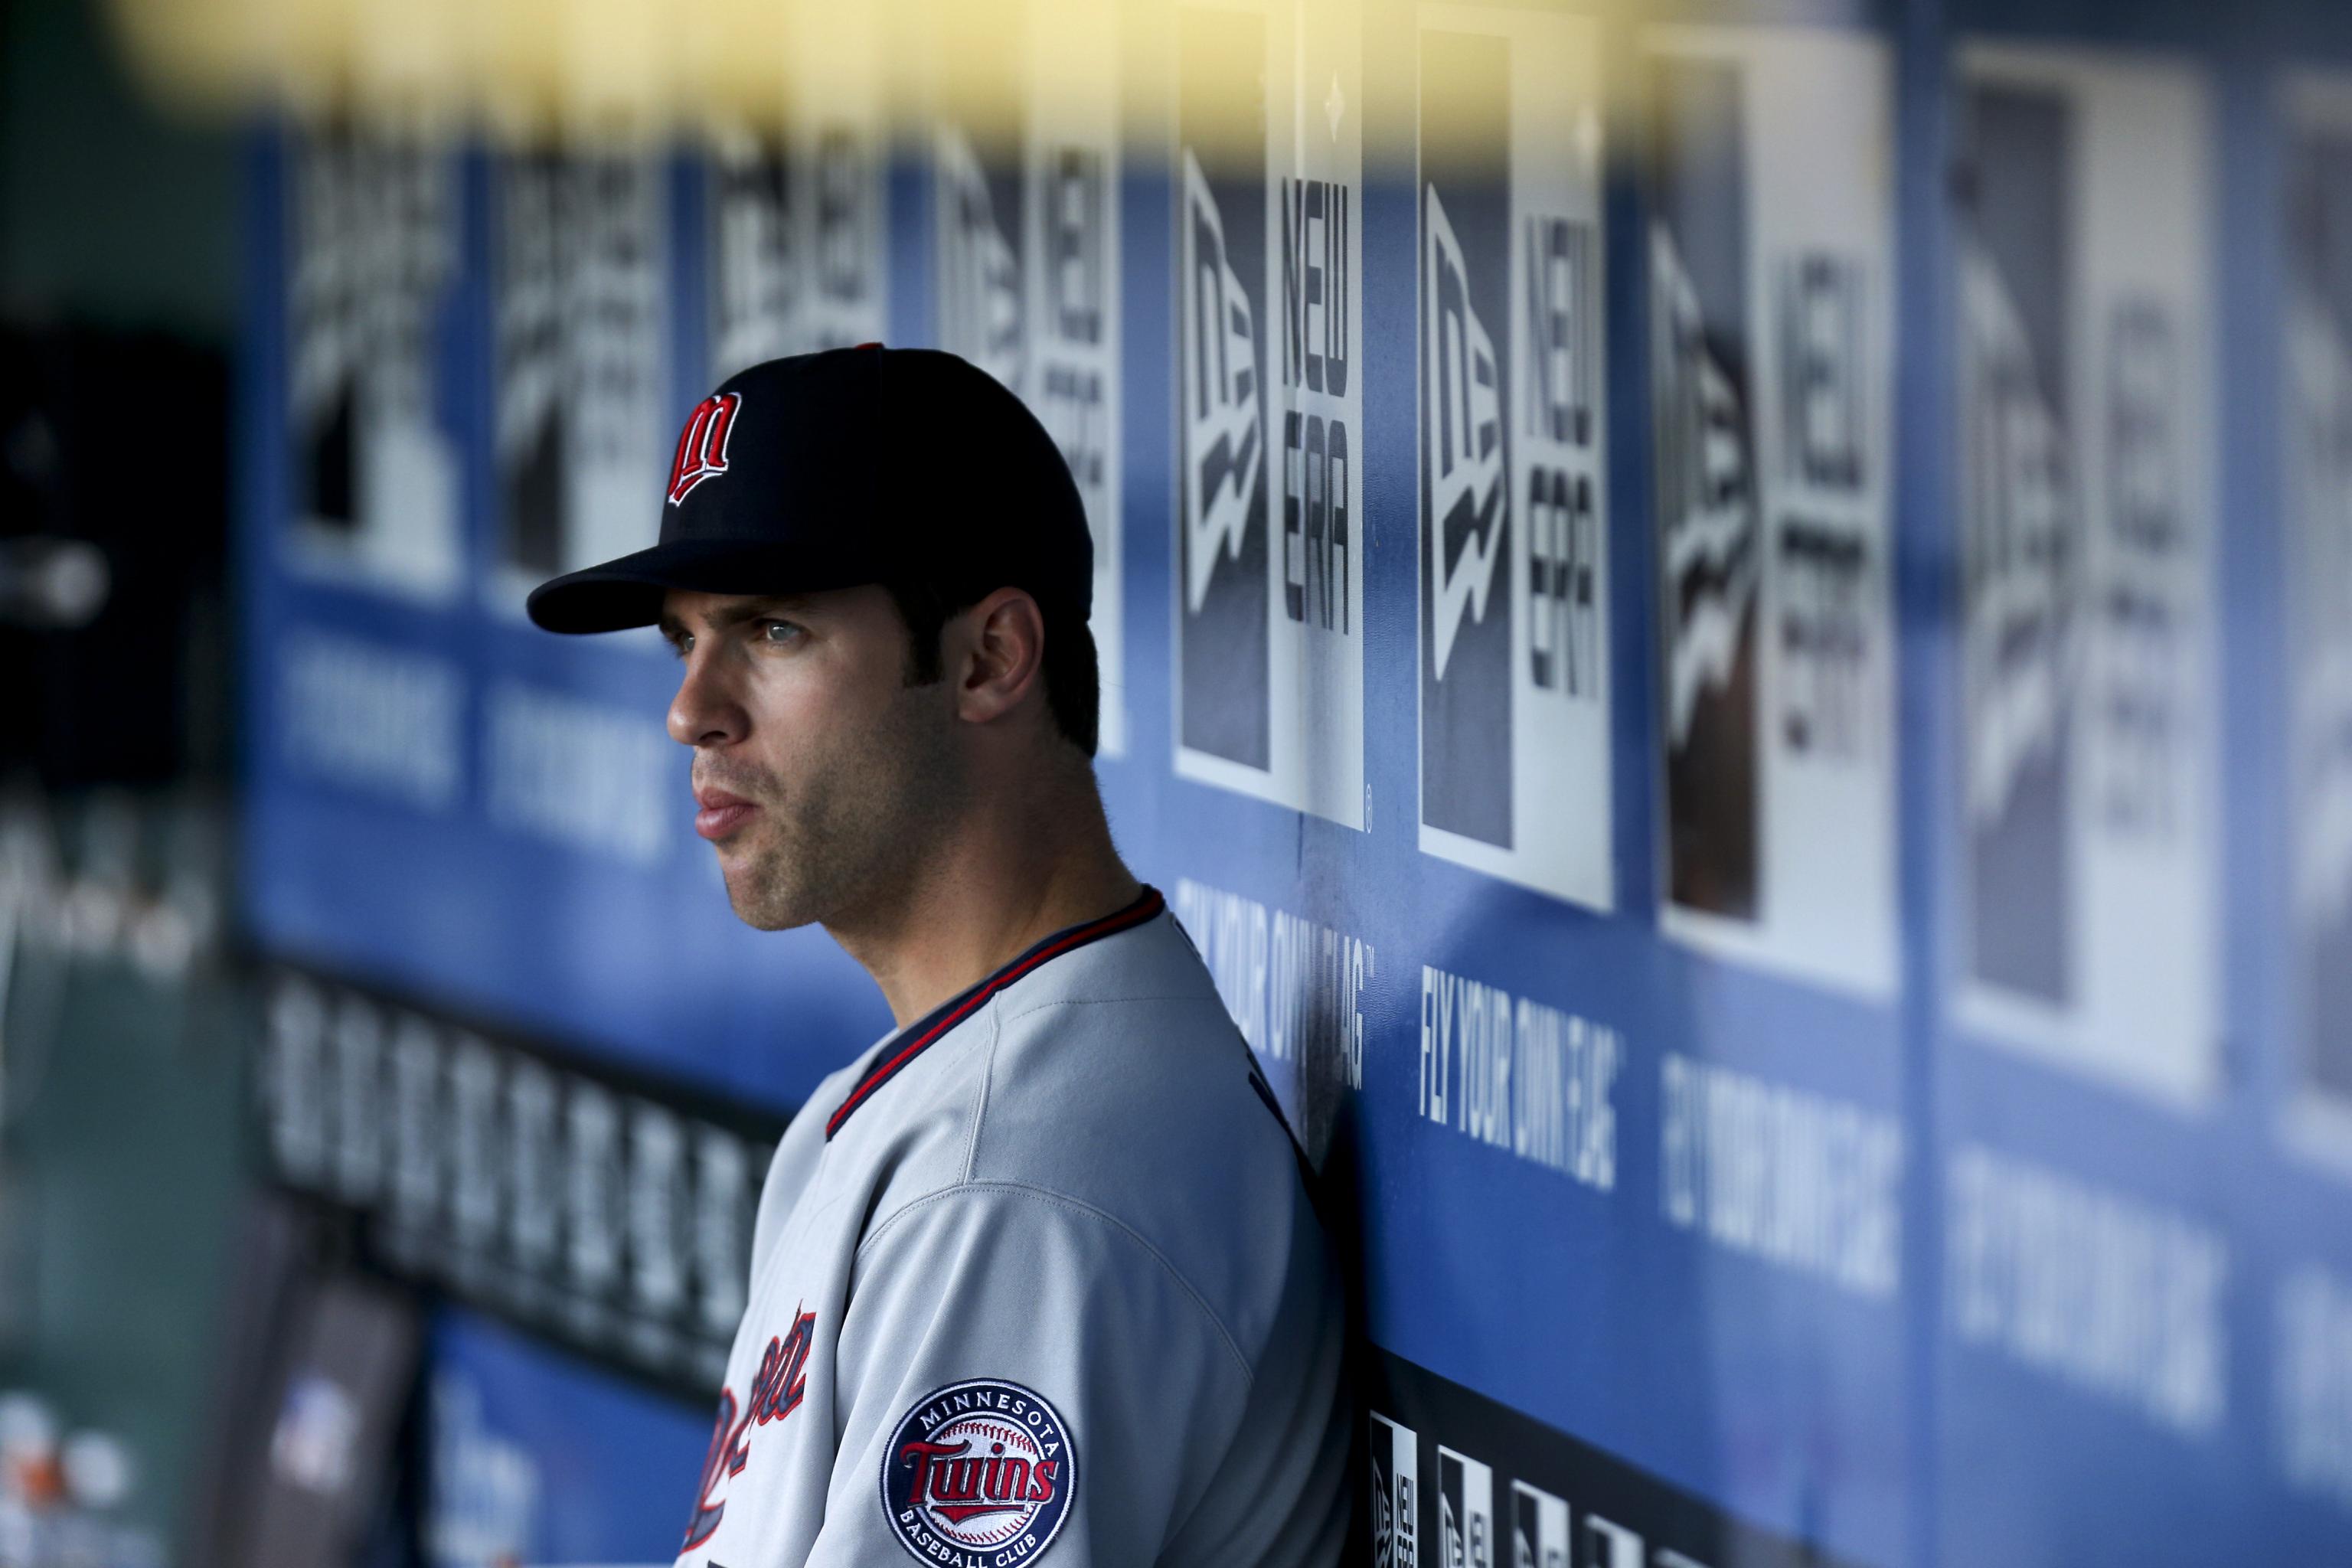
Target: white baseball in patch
(979,1475)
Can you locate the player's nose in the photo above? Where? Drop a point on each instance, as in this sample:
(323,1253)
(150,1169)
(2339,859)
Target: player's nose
(704,712)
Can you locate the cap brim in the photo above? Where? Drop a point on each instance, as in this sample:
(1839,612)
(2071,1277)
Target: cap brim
(628,591)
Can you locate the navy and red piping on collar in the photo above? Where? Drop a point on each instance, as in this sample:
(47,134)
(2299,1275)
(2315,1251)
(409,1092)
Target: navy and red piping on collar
(917,1037)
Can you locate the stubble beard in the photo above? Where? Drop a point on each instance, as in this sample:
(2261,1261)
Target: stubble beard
(857,830)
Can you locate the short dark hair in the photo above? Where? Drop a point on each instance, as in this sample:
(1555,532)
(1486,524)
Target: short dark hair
(1073,681)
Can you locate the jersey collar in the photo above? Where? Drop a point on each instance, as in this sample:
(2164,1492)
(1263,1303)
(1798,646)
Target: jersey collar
(917,1037)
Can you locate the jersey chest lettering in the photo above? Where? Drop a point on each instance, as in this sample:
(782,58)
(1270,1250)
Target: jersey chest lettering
(775,1393)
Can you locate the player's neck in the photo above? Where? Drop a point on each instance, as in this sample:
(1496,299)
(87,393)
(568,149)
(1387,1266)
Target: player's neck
(1026,864)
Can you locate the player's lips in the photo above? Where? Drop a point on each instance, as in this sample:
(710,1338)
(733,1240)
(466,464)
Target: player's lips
(722,813)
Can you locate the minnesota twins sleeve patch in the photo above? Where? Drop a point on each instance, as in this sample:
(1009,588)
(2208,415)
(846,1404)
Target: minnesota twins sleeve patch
(979,1475)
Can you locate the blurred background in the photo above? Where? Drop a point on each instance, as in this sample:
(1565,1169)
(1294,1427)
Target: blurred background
(1730,622)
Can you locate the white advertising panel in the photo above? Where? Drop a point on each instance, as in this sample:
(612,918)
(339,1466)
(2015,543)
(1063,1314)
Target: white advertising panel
(796,217)
(1026,187)
(372,253)
(2316,433)
(838,133)
(1771,262)
(1514,622)
(1395,1494)
(2088,646)
(1269,660)
(580,425)
(1465,1511)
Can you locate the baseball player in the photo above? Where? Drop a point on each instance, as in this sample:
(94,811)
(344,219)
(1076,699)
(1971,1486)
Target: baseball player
(1035,1279)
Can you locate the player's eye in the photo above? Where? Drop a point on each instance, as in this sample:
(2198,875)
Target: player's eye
(681,645)
(781,633)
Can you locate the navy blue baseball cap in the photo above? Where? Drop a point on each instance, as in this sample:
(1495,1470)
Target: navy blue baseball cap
(853,466)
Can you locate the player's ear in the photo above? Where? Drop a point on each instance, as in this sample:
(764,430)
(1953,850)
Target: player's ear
(998,654)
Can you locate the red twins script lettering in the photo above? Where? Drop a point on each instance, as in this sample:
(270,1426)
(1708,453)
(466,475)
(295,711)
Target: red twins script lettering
(958,1489)
(776,1393)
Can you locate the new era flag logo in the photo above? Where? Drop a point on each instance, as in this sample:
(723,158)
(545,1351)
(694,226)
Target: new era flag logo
(702,446)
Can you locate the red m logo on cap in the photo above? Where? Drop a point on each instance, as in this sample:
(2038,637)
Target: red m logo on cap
(702,445)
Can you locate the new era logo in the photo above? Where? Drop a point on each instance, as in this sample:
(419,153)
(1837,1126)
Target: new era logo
(702,446)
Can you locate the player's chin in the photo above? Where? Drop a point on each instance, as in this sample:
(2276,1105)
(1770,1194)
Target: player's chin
(761,900)
(762,913)
(768,919)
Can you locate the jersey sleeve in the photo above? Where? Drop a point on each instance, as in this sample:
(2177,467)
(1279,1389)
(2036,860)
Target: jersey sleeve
(1022,1379)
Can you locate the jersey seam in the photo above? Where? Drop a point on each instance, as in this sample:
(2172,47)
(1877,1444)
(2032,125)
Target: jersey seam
(980,1100)
(1077,1205)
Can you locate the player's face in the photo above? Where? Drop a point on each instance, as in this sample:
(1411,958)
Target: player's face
(821,777)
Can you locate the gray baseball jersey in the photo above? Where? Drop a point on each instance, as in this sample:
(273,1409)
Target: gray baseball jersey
(1038,1278)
